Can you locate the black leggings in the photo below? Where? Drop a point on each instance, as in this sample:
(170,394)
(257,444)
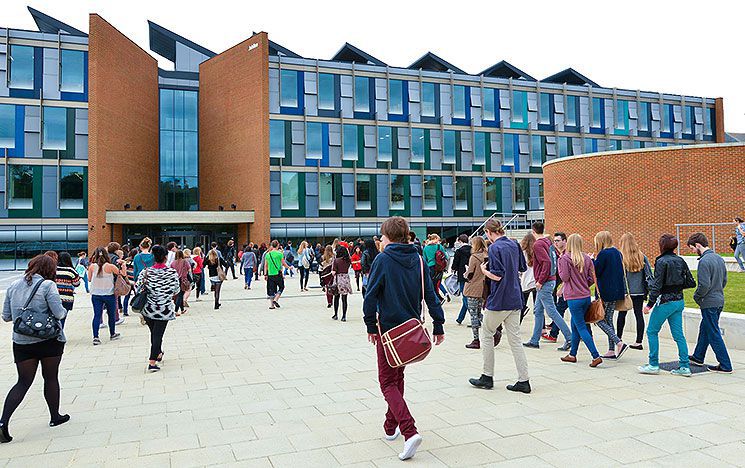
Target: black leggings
(157,330)
(638,313)
(26,373)
(526,295)
(216,287)
(197,282)
(304,276)
(179,302)
(343,304)
(231,267)
(357,276)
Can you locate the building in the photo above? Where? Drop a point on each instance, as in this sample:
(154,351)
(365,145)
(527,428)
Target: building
(100,144)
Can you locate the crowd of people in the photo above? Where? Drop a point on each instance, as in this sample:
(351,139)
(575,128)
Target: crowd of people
(497,277)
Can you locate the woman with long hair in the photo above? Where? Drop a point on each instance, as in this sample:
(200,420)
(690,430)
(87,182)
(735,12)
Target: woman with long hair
(190,276)
(473,290)
(368,256)
(213,263)
(356,260)
(198,269)
(327,262)
(638,273)
(611,287)
(305,260)
(129,264)
(101,273)
(67,280)
(342,282)
(430,256)
(28,351)
(577,273)
(183,268)
(527,278)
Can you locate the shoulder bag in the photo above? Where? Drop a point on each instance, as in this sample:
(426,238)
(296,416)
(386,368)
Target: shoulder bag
(36,323)
(626,303)
(221,275)
(139,301)
(121,285)
(596,311)
(410,341)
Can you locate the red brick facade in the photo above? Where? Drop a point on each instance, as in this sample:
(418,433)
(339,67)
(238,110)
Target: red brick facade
(647,192)
(234,133)
(123,129)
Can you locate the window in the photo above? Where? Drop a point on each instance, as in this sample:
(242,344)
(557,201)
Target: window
(363,192)
(448,154)
(546,106)
(488,103)
(565,147)
(536,150)
(667,115)
(540,193)
(459,102)
(521,193)
(428,99)
(518,104)
(290,191)
(643,115)
(508,150)
(277,138)
(688,119)
(479,150)
(397,192)
(589,145)
(709,119)
(417,145)
(361,94)
(571,111)
(72,71)
(491,193)
(314,140)
(54,128)
(349,152)
(21,67)
(429,191)
(71,188)
(395,97)
(21,188)
(7,126)
(385,148)
(179,150)
(326,92)
(288,86)
(461,192)
(622,115)
(597,112)
(326,191)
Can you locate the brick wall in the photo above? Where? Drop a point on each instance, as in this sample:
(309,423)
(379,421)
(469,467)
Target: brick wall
(234,133)
(647,192)
(123,128)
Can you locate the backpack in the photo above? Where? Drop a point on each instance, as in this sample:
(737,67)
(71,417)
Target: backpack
(441,261)
(37,323)
(554,260)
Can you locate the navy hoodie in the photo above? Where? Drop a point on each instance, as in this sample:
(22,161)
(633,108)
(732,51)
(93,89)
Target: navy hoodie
(394,291)
(609,273)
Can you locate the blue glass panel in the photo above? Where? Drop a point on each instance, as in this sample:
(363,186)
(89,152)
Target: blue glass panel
(597,110)
(428,100)
(166,109)
(449,147)
(417,145)
(190,110)
(7,126)
(643,115)
(571,111)
(385,151)
(277,138)
(350,143)
(55,128)
(326,94)
(73,71)
(166,153)
(459,102)
(488,104)
(288,86)
(479,148)
(21,67)
(545,103)
(361,94)
(191,151)
(178,153)
(314,140)
(395,97)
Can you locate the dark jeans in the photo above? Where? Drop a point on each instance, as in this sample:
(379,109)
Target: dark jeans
(638,313)
(68,308)
(98,304)
(304,276)
(561,307)
(248,274)
(198,283)
(231,267)
(202,282)
(125,307)
(179,301)
(709,334)
(157,330)
(392,385)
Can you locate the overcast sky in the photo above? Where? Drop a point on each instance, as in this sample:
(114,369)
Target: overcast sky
(682,47)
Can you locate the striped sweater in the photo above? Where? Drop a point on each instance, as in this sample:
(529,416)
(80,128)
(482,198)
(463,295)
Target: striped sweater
(161,284)
(67,280)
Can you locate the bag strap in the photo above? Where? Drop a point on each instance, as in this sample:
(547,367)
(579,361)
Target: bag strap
(625,278)
(424,303)
(33,293)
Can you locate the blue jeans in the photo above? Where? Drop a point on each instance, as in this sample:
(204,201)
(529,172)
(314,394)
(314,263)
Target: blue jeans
(561,307)
(672,312)
(578,309)
(464,307)
(544,300)
(709,334)
(125,306)
(98,304)
(739,254)
(249,274)
(202,282)
(85,280)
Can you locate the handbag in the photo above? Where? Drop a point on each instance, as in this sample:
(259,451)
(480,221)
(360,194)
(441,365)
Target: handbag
(596,311)
(221,272)
(626,303)
(451,285)
(36,323)
(139,301)
(121,285)
(408,342)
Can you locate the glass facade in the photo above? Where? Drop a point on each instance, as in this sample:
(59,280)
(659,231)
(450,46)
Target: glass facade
(326,92)
(71,188)
(7,125)
(179,150)
(363,192)
(326,197)
(21,188)
(288,88)
(428,99)
(290,191)
(21,67)
(54,128)
(72,69)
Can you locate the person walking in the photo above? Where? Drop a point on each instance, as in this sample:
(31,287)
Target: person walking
(161,283)
(192,264)
(527,278)
(560,245)
(198,270)
(638,274)
(216,272)
(612,287)
(248,265)
(577,273)
(171,247)
(473,289)
(101,272)
(81,267)
(503,305)
(709,295)
(671,277)
(289,256)
(229,256)
(183,270)
(368,256)
(305,252)
(67,280)
(274,261)
(327,262)
(35,291)
(437,259)
(461,259)
(544,268)
(394,295)
(356,259)
(144,258)
(740,240)
(342,284)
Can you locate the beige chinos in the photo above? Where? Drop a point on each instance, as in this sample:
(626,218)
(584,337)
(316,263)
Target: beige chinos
(511,319)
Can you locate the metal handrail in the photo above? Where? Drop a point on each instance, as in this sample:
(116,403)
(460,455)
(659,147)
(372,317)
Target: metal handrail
(713,242)
(493,215)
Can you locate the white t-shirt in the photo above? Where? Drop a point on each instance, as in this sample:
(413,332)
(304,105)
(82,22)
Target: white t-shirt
(527,278)
(170,258)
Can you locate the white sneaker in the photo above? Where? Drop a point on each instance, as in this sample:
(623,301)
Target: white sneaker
(394,436)
(120,321)
(410,447)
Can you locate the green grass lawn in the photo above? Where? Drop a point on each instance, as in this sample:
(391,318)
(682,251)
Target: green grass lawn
(734,293)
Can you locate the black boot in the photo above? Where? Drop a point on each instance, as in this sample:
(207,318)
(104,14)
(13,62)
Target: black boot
(335,317)
(344,317)
(483,382)
(520,387)
(4,434)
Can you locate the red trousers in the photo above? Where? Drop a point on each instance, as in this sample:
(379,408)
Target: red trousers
(392,385)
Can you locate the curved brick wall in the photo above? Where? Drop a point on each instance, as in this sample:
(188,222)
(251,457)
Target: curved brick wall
(646,192)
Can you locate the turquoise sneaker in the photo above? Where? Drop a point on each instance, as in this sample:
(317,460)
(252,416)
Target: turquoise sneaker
(684,371)
(650,369)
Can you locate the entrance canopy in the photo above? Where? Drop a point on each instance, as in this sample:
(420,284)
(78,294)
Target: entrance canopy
(179,217)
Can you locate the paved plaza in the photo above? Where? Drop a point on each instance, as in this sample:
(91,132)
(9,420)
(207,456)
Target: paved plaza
(246,386)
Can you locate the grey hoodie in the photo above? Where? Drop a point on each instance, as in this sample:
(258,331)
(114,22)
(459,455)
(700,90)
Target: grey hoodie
(712,278)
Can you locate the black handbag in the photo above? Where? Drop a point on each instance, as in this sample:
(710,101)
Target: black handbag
(139,301)
(37,323)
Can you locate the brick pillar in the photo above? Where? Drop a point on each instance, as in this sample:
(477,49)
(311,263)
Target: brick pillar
(719,119)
